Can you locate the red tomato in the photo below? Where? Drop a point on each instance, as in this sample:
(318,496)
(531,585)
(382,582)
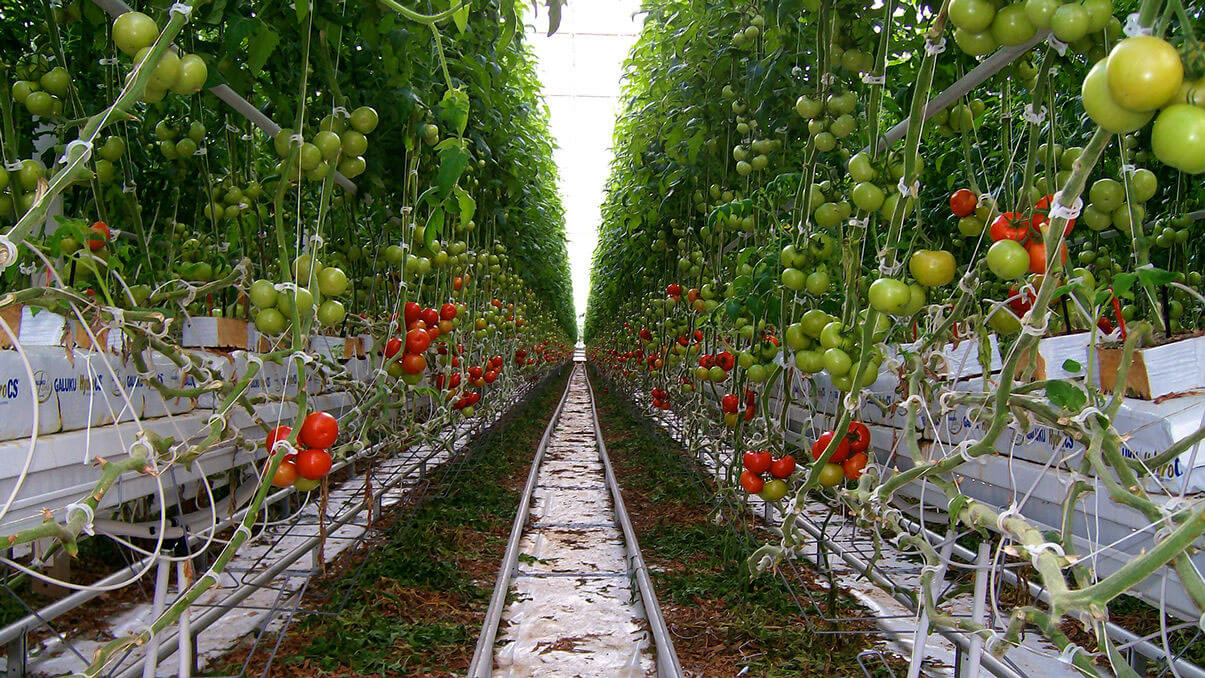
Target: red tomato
(1037,256)
(1041,212)
(276,435)
(412,311)
(417,341)
(673,290)
(457,283)
(783,467)
(413,363)
(757,462)
(454,380)
(752,482)
(729,403)
(429,316)
(1020,302)
(963,202)
(726,360)
(318,430)
(100,235)
(854,465)
(490,376)
(859,436)
(447,312)
(1009,226)
(285,474)
(821,444)
(475,372)
(313,464)
(392,347)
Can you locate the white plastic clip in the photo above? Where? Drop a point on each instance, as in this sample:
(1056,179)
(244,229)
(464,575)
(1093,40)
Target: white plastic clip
(1038,549)
(1133,27)
(1005,515)
(827,79)
(14,166)
(219,419)
(72,145)
(204,150)
(1036,117)
(181,8)
(1056,44)
(299,138)
(316,241)
(88,516)
(128,188)
(8,253)
(872,79)
(340,111)
(934,48)
(243,530)
(909,191)
(1060,211)
(1067,656)
(108,61)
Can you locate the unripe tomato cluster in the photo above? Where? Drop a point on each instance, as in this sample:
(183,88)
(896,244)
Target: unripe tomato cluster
(275,303)
(340,143)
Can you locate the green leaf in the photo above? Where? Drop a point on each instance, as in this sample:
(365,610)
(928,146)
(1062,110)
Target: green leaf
(454,109)
(509,24)
(461,17)
(261,48)
(303,9)
(434,228)
(1123,285)
(452,161)
(465,202)
(1066,395)
(1155,277)
(1072,366)
(554,15)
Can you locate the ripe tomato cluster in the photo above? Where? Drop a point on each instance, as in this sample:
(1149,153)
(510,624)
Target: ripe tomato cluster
(757,464)
(423,326)
(849,457)
(305,468)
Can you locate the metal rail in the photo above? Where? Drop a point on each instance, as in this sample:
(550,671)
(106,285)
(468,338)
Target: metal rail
(482,665)
(483,655)
(667,659)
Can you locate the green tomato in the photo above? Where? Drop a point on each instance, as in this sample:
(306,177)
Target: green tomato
(793,279)
(300,297)
(831,475)
(56,81)
(868,197)
(1011,26)
(774,490)
(1007,259)
(814,321)
(262,294)
(332,281)
(331,313)
(975,43)
(193,74)
(353,142)
(971,226)
(1107,194)
(817,282)
(1069,22)
(1144,72)
(1142,184)
(1095,218)
(364,119)
(133,31)
(972,15)
(888,295)
(837,362)
(932,268)
(270,321)
(1178,138)
(1040,12)
(832,335)
(1102,108)
(917,297)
